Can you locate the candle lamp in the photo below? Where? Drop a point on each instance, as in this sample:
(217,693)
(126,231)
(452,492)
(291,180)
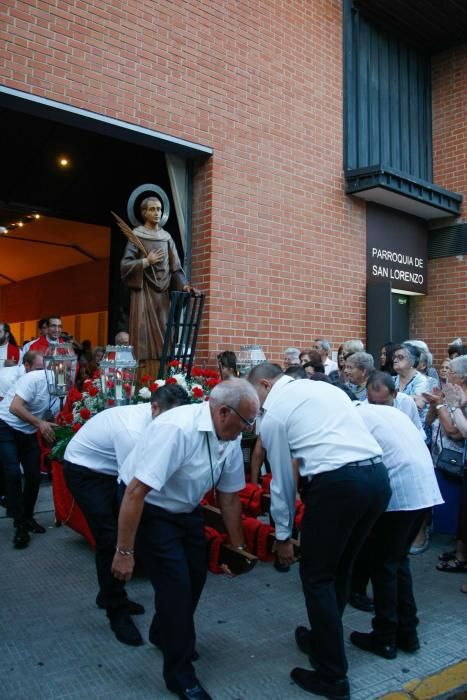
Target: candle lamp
(117,371)
(60,370)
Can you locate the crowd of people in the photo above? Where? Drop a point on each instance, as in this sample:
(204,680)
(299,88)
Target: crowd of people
(358,438)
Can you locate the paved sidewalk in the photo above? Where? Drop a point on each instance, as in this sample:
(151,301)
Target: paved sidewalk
(56,645)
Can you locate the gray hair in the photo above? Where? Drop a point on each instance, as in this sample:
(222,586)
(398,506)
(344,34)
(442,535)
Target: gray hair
(232,391)
(293,352)
(425,355)
(352,346)
(325,344)
(413,353)
(459,365)
(362,360)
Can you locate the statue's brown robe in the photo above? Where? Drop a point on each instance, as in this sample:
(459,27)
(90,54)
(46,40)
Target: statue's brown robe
(150,286)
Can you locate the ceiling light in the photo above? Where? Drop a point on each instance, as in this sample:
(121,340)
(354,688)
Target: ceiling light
(20,224)
(64,162)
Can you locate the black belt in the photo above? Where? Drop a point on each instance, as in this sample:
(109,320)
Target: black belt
(360,463)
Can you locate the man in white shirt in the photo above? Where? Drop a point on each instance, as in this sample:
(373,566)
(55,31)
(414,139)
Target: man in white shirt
(382,391)
(21,416)
(344,489)
(324,349)
(414,490)
(182,455)
(91,463)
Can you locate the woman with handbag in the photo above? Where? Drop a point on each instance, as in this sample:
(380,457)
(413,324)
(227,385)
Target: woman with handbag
(450,407)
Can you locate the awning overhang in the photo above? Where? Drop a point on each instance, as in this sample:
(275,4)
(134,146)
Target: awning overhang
(400,191)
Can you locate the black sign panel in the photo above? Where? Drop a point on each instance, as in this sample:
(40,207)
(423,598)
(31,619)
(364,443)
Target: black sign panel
(397,249)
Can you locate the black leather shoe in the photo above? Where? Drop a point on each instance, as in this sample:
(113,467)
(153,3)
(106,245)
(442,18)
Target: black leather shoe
(361,602)
(303,639)
(368,642)
(22,537)
(154,639)
(132,606)
(33,526)
(196,692)
(409,643)
(312,682)
(124,628)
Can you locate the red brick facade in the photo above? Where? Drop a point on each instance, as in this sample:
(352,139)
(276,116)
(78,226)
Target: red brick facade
(276,243)
(442,314)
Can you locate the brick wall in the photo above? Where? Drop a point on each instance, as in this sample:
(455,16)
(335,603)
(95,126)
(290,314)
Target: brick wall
(442,315)
(276,243)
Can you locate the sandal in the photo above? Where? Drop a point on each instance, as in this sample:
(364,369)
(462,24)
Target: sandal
(454,566)
(447,556)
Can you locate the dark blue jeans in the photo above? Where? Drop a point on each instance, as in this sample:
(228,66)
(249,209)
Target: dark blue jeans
(96,495)
(341,507)
(175,557)
(20,448)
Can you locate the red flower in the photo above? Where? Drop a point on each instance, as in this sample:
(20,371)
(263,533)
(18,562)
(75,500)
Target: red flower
(110,402)
(127,389)
(212,382)
(85,413)
(197,372)
(93,390)
(110,384)
(170,380)
(197,393)
(212,373)
(74,395)
(153,387)
(86,384)
(75,427)
(146,378)
(96,374)
(174,363)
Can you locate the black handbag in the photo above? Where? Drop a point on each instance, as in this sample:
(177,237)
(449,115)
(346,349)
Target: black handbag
(451,463)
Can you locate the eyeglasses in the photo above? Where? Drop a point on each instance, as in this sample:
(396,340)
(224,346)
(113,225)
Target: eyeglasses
(399,357)
(247,423)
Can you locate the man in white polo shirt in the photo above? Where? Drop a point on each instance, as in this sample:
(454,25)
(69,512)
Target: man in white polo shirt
(91,463)
(414,490)
(22,414)
(344,487)
(182,455)
(381,391)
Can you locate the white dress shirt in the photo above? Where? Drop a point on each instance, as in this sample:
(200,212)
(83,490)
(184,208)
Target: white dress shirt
(408,406)
(107,438)
(317,424)
(406,457)
(9,376)
(330,366)
(172,457)
(32,388)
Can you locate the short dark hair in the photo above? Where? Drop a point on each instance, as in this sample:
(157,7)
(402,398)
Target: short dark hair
(49,318)
(43,322)
(170,396)
(319,377)
(378,379)
(11,337)
(455,349)
(265,370)
(296,371)
(317,366)
(228,359)
(30,356)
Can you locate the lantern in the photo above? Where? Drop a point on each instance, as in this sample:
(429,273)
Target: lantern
(60,365)
(249,356)
(117,371)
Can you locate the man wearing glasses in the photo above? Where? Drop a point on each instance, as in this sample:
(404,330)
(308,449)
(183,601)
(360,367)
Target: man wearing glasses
(52,337)
(181,455)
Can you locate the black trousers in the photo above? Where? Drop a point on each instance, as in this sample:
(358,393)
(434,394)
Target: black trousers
(340,509)
(17,448)
(96,495)
(175,557)
(388,553)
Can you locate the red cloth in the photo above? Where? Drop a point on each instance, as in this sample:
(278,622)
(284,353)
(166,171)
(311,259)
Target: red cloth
(257,538)
(214,542)
(44,453)
(12,353)
(67,512)
(266,483)
(41,344)
(250,497)
(299,512)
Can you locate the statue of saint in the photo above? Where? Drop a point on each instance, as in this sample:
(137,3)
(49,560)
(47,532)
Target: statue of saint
(150,279)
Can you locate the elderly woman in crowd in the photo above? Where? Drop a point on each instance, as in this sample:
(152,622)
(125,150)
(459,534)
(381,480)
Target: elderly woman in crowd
(409,380)
(357,368)
(450,407)
(444,372)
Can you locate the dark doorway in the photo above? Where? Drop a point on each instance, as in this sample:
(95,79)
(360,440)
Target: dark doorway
(400,317)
